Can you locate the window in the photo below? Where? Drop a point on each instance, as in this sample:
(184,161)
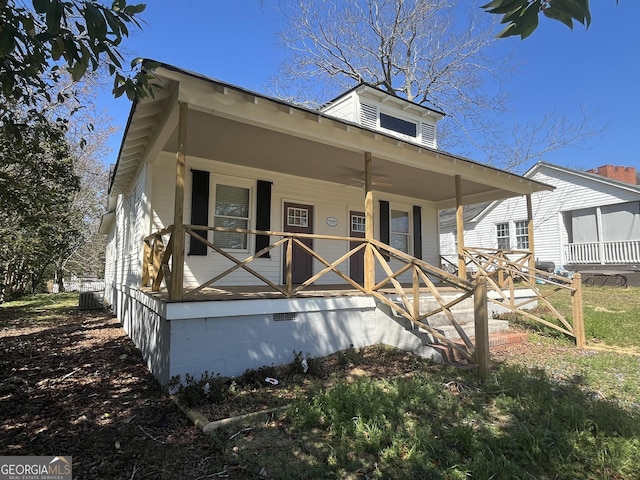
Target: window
(357,223)
(398,125)
(297,217)
(399,231)
(522,235)
(231,211)
(502,235)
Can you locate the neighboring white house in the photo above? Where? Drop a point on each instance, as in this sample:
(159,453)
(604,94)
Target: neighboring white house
(588,220)
(205,153)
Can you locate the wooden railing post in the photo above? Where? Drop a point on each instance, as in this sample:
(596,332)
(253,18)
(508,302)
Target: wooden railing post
(462,264)
(288,267)
(577,311)
(147,260)
(481,327)
(532,258)
(177,259)
(369,260)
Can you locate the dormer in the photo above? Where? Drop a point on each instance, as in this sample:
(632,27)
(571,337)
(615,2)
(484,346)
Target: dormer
(376,109)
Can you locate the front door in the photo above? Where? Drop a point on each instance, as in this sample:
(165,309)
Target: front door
(356,261)
(298,218)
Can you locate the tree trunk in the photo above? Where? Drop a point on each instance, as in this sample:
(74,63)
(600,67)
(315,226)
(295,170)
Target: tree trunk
(60,279)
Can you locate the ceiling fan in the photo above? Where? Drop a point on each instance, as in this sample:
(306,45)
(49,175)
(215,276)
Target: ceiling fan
(357,179)
(377,181)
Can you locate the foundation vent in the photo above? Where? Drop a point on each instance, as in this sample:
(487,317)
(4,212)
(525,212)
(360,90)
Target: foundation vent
(285,317)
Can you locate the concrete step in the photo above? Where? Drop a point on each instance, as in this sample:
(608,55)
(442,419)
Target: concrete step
(463,311)
(450,332)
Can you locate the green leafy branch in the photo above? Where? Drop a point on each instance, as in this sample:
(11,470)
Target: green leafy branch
(522,15)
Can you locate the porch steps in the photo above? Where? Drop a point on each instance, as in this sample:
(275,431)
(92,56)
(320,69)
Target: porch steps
(463,313)
(497,341)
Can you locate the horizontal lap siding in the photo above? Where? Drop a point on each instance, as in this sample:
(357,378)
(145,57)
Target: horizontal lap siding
(328,200)
(572,192)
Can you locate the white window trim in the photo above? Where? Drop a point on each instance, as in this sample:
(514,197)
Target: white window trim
(363,223)
(233,182)
(394,113)
(498,237)
(408,210)
(419,123)
(523,235)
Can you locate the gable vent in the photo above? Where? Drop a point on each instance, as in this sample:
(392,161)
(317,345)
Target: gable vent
(285,317)
(428,134)
(368,115)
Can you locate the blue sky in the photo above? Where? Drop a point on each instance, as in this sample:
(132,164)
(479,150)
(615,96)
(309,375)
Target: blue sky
(562,71)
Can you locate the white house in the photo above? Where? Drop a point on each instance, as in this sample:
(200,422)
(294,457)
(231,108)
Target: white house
(588,220)
(241,227)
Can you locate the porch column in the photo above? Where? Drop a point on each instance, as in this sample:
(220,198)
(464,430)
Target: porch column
(177,258)
(532,258)
(369,263)
(600,230)
(462,266)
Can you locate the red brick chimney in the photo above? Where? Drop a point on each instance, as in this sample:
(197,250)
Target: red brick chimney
(622,174)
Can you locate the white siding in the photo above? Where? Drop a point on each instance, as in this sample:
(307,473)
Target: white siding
(345,108)
(328,200)
(573,192)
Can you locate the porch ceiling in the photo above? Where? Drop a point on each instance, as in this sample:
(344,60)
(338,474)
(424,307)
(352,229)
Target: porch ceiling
(232,125)
(214,137)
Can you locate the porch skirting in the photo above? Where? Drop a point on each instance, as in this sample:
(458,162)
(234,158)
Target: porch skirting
(230,337)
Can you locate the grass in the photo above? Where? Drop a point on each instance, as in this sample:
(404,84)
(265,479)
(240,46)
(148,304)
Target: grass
(42,307)
(445,425)
(611,315)
(549,412)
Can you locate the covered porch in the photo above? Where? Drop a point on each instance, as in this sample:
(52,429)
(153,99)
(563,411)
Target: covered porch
(302,157)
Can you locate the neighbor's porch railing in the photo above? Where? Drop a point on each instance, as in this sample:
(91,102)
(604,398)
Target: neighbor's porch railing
(503,269)
(158,250)
(602,253)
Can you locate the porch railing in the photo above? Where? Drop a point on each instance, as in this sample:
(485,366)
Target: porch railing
(602,253)
(394,263)
(504,269)
(496,270)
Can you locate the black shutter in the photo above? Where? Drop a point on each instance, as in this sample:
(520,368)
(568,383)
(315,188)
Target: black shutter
(263,214)
(417,232)
(199,210)
(384,223)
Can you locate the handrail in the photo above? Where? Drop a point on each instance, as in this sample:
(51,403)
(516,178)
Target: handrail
(499,268)
(424,275)
(503,272)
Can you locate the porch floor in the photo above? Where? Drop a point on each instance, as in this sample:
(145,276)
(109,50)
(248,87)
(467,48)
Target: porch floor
(260,292)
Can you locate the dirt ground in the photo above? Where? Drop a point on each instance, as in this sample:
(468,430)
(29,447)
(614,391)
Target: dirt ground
(76,385)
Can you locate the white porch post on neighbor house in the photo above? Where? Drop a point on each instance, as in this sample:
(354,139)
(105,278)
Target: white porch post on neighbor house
(177,257)
(369,263)
(532,258)
(462,266)
(600,230)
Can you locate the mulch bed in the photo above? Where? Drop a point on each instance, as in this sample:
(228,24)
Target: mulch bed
(76,385)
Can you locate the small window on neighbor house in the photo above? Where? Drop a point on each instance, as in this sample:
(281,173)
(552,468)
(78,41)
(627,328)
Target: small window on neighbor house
(502,235)
(398,125)
(231,211)
(522,235)
(399,230)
